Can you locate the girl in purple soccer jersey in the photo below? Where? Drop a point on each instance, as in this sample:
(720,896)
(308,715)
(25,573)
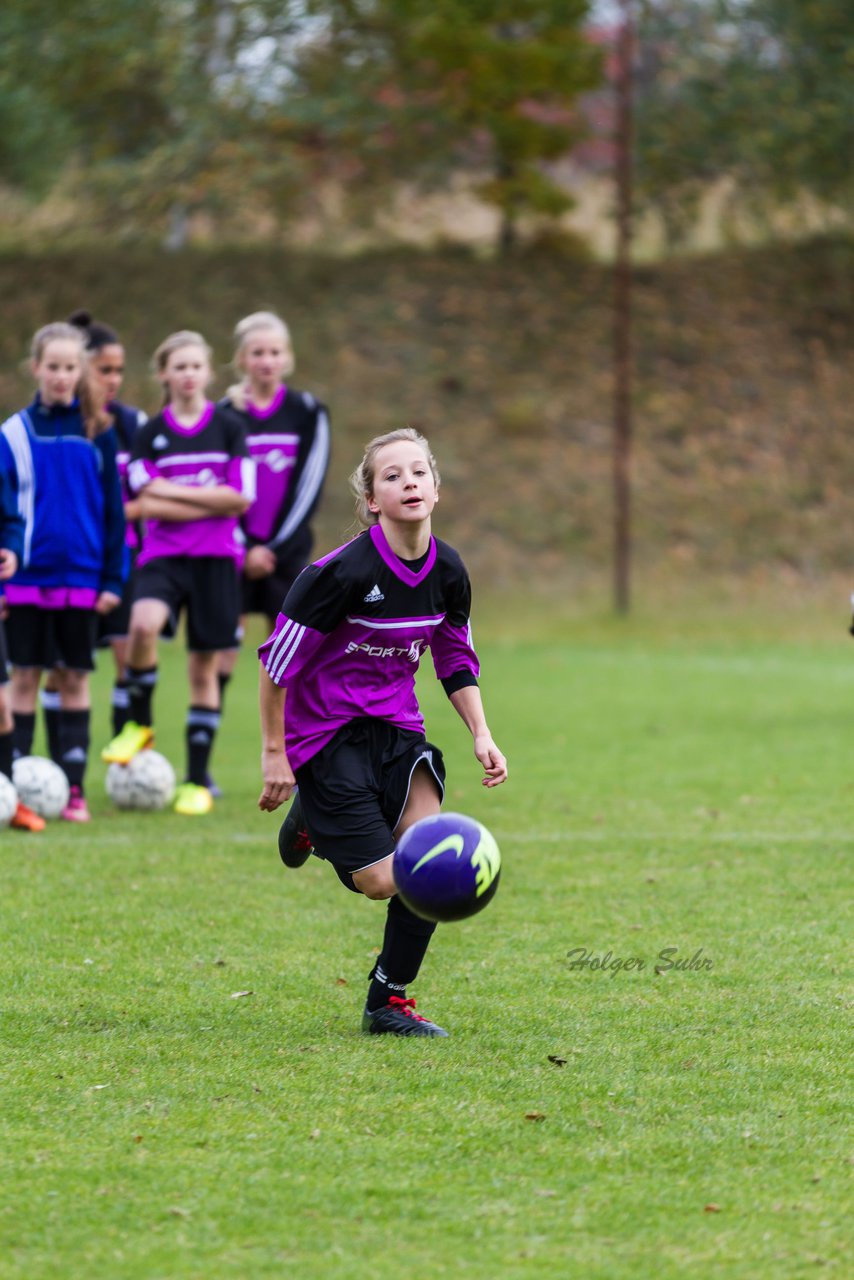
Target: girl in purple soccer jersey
(288,435)
(339,713)
(191,468)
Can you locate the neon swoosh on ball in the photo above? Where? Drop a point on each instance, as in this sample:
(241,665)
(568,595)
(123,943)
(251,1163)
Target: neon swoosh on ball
(455,842)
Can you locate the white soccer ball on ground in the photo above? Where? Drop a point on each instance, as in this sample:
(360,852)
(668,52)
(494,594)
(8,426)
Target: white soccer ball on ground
(41,785)
(8,801)
(148,782)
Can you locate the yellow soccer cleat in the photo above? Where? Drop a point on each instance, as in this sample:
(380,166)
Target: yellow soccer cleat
(127,744)
(192,800)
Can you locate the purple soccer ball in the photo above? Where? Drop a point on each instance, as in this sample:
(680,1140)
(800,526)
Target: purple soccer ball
(446,867)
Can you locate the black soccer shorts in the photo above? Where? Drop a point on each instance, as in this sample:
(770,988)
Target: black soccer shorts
(206,586)
(354,791)
(48,638)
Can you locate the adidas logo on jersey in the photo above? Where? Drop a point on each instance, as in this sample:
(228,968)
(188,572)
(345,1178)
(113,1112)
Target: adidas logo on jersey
(374,595)
(160,442)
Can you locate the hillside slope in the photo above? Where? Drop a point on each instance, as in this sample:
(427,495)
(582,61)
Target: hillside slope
(744,452)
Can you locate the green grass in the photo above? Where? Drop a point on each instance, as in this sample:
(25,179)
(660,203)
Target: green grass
(673,785)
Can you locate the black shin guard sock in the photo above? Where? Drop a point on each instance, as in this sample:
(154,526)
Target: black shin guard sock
(202,724)
(51,704)
(223,680)
(405,944)
(141,682)
(74,745)
(6,750)
(120,704)
(23,733)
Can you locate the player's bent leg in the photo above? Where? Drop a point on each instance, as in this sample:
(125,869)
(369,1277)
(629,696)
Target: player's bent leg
(377,881)
(423,801)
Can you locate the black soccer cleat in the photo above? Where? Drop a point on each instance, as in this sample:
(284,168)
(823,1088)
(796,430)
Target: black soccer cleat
(398,1018)
(295,845)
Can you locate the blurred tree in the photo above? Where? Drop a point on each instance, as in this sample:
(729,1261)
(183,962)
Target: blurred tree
(159,108)
(758,90)
(400,89)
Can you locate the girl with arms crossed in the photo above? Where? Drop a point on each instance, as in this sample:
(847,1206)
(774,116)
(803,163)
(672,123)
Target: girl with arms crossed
(349,731)
(191,468)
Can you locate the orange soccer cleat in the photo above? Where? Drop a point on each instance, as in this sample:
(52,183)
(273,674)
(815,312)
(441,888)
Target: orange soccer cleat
(24,819)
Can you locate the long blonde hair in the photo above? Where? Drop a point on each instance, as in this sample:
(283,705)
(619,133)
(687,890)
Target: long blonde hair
(362,479)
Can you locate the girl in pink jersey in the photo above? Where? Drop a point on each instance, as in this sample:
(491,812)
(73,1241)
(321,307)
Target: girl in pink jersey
(287,431)
(191,469)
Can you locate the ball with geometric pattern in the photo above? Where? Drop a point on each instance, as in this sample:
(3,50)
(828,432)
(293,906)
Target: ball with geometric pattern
(41,785)
(147,783)
(8,801)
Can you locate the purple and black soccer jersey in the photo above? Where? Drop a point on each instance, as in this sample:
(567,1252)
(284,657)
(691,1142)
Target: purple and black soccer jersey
(289,442)
(352,632)
(211,452)
(126,422)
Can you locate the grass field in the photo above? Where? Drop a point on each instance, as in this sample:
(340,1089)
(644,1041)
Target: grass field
(673,786)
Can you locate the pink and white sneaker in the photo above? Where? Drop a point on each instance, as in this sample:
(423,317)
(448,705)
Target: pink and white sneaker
(77,810)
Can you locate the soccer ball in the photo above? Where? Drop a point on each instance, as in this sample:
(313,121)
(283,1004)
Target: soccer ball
(8,801)
(446,867)
(148,782)
(41,785)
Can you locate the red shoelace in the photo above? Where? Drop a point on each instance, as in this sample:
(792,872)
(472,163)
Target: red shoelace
(406,1007)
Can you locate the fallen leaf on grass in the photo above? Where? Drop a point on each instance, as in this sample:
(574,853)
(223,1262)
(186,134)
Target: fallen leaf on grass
(535,1115)
(557,1060)
(711,1208)
(237,995)
(178,1212)
(340,982)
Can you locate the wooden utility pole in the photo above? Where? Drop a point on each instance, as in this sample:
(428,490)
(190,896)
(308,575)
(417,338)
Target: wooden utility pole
(623,312)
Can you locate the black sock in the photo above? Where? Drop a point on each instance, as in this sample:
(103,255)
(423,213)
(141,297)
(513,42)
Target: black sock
(223,679)
(51,703)
(6,754)
(23,733)
(120,703)
(405,944)
(141,682)
(74,744)
(202,724)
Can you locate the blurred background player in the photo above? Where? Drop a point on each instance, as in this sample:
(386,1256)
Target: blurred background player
(288,435)
(61,455)
(346,648)
(11,548)
(191,469)
(106,361)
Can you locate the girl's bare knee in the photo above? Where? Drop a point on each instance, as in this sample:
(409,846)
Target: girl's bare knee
(376,882)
